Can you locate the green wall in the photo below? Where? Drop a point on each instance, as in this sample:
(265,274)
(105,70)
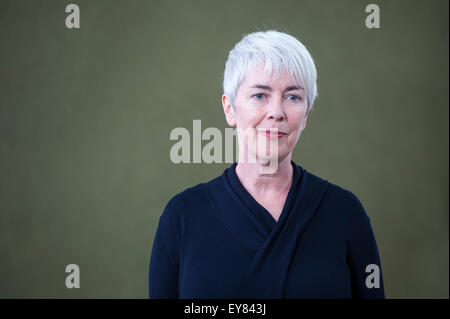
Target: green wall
(85,118)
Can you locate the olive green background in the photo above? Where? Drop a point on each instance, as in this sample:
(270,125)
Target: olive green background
(85,118)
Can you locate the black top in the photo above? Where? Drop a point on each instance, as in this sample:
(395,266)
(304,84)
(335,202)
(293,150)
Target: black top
(215,240)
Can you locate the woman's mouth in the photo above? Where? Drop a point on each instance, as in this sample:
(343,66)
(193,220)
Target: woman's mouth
(273,134)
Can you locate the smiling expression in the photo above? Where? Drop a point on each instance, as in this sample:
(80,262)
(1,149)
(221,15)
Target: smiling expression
(272,109)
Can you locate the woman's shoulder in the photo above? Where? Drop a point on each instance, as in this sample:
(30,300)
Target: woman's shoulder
(342,197)
(193,197)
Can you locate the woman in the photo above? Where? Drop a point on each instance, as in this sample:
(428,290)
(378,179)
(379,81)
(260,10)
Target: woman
(256,232)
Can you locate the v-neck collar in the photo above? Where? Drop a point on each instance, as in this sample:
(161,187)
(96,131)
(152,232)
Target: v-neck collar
(273,243)
(259,211)
(251,223)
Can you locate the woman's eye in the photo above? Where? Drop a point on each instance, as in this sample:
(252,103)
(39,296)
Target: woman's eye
(259,96)
(295,98)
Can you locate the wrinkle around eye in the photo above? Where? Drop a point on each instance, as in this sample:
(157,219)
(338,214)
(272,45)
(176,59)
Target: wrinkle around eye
(254,96)
(298,99)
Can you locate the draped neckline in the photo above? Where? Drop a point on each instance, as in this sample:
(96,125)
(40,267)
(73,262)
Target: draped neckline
(258,210)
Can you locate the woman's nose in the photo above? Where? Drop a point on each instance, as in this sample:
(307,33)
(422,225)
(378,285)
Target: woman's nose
(275,111)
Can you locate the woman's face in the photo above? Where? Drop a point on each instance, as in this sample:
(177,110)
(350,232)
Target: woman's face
(263,103)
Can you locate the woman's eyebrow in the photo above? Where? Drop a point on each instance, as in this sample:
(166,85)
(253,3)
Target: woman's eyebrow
(266,87)
(294,87)
(260,86)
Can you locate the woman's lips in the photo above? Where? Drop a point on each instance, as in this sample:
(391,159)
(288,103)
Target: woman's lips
(275,134)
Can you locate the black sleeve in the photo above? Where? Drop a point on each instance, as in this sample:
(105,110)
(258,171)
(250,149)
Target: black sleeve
(164,260)
(362,256)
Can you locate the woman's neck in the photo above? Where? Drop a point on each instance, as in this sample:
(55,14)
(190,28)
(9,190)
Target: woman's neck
(259,184)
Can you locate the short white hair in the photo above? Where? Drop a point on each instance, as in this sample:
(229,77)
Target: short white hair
(280,52)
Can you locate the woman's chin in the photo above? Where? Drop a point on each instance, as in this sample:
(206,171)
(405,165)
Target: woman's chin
(271,160)
(272,155)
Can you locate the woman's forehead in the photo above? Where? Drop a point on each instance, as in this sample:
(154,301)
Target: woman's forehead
(261,76)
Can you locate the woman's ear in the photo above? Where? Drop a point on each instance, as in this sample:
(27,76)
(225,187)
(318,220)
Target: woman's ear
(304,121)
(228,110)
